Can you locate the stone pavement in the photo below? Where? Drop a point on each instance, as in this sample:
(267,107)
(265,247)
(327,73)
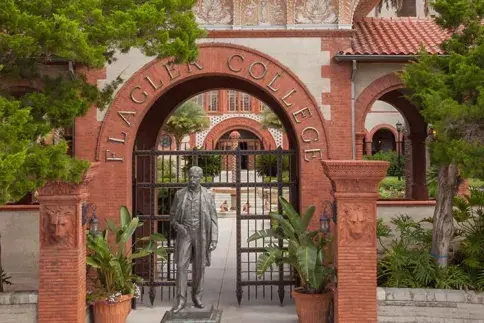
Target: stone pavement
(220,279)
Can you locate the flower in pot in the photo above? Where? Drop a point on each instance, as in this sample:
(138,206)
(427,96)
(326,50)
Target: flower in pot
(115,284)
(308,252)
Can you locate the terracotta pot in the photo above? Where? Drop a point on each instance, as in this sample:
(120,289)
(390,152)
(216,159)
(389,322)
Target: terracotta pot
(312,308)
(112,313)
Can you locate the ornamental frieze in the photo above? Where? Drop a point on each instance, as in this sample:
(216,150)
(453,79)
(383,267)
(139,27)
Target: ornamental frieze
(266,12)
(316,12)
(214,12)
(263,12)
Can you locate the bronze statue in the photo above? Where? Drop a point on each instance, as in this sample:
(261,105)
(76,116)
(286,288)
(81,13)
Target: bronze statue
(194,217)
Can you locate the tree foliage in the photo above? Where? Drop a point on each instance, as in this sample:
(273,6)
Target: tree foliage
(270,120)
(188,118)
(449,90)
(44,46)
(402,6)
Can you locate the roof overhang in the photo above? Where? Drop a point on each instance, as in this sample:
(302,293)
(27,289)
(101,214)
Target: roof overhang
(375,58)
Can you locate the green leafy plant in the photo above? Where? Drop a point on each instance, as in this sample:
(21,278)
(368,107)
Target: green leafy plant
(210,164)
(270,120)
(306,251)
(165,169)
(408,263)
(188,118)
(469,214)
(382,231)
(39,40)
(266,165)
(113,262)
(391,187)
(448,91)
(4,278)
(397,168)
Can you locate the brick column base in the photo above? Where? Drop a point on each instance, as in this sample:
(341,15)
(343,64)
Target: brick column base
(355,185)
(62,263)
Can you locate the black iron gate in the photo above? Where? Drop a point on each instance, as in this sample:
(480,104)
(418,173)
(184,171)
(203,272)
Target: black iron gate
(246,194)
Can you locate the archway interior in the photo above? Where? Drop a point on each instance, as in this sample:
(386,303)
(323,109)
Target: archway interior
(160,111)
(255,196)
(414,132)
(383,140)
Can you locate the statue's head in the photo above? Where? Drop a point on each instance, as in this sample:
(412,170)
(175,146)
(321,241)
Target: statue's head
(195,175)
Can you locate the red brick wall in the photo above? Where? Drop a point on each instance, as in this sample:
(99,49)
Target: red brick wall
(339,99)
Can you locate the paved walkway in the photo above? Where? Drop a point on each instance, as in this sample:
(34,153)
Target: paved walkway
(220,281)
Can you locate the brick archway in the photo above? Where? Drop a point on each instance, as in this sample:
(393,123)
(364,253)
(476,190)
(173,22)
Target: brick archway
(373,92)
(389,88)
(158,88)
(239,123)
(383,126)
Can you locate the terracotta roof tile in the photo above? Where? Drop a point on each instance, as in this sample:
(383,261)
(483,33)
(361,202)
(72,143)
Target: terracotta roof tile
(396,36)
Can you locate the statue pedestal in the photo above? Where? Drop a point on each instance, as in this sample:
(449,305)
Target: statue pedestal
(195,315)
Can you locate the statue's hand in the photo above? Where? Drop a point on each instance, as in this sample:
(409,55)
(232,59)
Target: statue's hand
(213,245)
(180,229)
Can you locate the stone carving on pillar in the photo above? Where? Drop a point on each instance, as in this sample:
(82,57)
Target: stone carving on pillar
(355,176)
(58,228)
(58,188)
(359,226)
(315,12)
(214,12)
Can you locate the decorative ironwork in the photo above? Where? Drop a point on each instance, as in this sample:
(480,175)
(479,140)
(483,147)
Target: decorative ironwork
(250,196)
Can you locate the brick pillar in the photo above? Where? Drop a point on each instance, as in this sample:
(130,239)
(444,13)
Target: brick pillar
(368,148)
(359,145)
(355,185)
(408,171)
(419,174)
(62,263)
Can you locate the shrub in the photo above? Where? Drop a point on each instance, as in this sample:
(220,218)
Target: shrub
(408,263)
(391,187)
(211,164)
(469,214)
(266,165)
(396,168)
(165,169)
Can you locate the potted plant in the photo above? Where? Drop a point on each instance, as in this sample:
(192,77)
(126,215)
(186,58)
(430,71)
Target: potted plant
(307,252)
(115,285)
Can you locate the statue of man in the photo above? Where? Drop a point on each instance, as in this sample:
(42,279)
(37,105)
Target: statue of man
(194,217)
